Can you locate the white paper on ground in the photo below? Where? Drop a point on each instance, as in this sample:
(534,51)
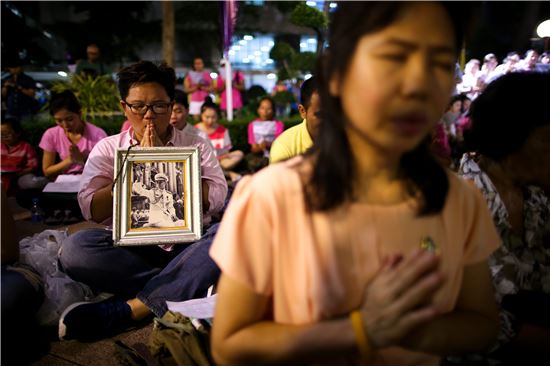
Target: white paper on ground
(65,183)
(66,178)
(196,308)
(65,187)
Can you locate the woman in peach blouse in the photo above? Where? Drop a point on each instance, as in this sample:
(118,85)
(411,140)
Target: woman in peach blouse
(365,250)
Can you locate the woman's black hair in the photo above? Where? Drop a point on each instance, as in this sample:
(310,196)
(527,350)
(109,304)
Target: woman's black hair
(331,183)
(181,98)
(146,72)
(64,100)
(506,113)
(209,104)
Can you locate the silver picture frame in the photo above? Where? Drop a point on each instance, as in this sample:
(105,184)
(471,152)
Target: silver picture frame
(147,211)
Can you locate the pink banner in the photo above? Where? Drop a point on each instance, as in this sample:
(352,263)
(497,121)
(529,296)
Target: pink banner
(229,17)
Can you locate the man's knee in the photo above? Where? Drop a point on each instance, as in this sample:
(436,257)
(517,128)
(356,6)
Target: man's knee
(76,246)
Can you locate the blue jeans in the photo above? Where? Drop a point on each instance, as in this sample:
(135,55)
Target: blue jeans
(149,273)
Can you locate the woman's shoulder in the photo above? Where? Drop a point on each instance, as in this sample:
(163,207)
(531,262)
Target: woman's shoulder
(221,129)
(276,180)
(53,132)
(94,130)
(463,191)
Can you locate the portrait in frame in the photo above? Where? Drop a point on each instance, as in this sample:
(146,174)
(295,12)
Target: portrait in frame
(157,196)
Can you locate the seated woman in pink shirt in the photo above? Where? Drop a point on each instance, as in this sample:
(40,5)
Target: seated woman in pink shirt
(220,138)
(72,139)
(261,134)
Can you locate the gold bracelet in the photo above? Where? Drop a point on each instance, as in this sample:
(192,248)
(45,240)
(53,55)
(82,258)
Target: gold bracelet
(365,348)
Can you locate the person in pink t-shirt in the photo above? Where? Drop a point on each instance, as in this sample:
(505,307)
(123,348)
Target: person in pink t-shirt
(261,134)
(365,250)
(72,139)
(237,87)
(199,84)
(220,139)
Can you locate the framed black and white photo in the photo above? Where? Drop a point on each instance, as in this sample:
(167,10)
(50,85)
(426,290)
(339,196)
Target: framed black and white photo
(157,196)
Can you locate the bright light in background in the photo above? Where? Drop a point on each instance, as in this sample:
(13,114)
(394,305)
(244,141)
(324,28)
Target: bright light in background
(62,73)
(242,42)
(307,76)
(269,61)
(312,40)
(311,3)
(14,11)
(303,45)
(248,38)
(231,52)
(271,43)
(236,47)
(213,75)
(47,34)
(543,30)
(257,53)
(333,5)
(264,49)
(246,61)
(271,76)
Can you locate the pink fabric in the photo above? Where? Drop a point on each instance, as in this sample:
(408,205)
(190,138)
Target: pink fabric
(315,266)
(19,157)
(15,159)
(258,131)
(441,145)
(125,126)
(237,99)
(99,170)
(199,95)
(55,140)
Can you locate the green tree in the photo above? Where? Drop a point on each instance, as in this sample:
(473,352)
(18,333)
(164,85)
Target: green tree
(307,16)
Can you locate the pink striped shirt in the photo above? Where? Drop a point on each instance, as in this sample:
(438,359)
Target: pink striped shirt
(99,170)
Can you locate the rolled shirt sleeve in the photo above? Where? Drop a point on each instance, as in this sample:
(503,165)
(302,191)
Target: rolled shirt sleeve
(212,173)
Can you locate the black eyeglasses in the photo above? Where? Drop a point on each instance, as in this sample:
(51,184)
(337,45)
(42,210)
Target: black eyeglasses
(142,108)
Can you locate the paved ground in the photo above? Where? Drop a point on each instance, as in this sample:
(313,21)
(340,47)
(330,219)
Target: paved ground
(70,353)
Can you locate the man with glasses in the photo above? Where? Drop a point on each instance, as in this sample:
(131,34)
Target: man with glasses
(143,278)
(93,65)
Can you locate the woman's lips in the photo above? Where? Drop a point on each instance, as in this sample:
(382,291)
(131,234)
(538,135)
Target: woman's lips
(410,125)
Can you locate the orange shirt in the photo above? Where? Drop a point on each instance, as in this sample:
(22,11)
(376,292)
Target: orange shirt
(317,265)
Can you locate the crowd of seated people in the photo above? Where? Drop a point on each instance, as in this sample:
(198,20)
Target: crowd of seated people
(289,227)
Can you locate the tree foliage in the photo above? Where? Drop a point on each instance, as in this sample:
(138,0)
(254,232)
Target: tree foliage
(307,16)
(96,95)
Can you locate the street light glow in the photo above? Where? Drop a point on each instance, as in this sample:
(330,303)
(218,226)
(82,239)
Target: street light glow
(543,30)
(248,38)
